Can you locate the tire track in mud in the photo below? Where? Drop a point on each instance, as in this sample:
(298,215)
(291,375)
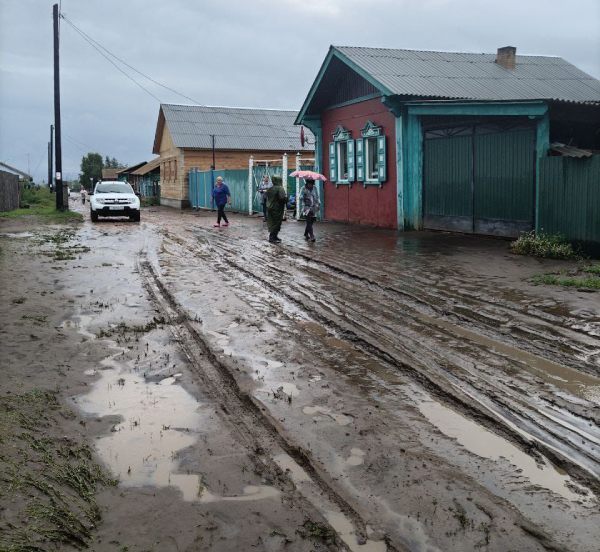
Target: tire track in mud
(502,416)
(262,435)
(482,311)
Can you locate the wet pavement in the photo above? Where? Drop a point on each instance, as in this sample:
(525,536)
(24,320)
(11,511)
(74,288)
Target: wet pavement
(414,391)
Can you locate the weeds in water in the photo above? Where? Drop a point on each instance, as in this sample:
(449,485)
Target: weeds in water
(123,328)
(548,246)
(52,480)
(318,531)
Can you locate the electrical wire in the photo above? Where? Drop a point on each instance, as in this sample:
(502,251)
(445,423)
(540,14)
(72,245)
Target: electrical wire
(105,52)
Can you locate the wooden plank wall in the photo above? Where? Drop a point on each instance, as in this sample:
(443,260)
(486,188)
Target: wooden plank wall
(10,194)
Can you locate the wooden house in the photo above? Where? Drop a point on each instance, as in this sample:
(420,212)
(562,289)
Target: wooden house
(454,141)
(197,137)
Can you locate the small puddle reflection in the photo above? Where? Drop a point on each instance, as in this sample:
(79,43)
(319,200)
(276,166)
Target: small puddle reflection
(344,528)
(158,420)
(341,419)
(486,444)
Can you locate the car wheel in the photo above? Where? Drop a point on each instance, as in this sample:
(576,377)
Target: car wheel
(135,217)
(93,216)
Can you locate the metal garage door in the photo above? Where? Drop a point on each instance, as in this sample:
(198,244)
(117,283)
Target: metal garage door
(479,178)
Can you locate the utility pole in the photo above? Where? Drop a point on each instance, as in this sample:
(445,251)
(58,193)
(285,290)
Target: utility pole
(50,159)
(60,206)
(213,152)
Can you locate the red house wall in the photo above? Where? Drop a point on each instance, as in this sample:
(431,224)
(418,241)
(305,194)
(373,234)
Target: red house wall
(357,204)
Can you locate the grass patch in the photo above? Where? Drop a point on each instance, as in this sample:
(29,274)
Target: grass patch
(581,283)
(548,246)
(47,482)
(41,203)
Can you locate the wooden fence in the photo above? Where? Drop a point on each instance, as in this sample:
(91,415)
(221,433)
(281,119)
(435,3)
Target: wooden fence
(10,194)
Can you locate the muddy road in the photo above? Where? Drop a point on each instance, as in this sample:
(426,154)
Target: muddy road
(366,392)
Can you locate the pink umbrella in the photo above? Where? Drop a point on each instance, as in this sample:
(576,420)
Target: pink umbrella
(310,175)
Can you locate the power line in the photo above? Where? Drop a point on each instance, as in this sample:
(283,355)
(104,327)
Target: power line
(105,52)
(99,50)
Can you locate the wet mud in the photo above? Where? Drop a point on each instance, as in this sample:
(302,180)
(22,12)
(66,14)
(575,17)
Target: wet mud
(368,392)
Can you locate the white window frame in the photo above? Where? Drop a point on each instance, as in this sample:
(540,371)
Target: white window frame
(342,176)
(369,142)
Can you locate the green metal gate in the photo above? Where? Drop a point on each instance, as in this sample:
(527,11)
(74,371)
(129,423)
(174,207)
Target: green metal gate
(480,178)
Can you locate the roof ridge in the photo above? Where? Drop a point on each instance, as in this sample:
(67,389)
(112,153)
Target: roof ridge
(439,51)
(275,109)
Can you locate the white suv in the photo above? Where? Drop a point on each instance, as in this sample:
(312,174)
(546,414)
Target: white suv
(114,199)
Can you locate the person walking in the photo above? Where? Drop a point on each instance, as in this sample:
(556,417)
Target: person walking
(264,185)
(221,197)
(276,201)
(83,194)
(309,199)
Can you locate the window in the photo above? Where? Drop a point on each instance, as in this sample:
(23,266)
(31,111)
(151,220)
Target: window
(371,160)
(342,157)
(371,157)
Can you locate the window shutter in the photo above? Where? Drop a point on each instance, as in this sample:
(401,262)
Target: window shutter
(381,159)
(360,160)
(351,165)
(332,163)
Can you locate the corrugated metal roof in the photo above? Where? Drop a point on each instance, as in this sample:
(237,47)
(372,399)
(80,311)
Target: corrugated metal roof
(452,75)
(234,128)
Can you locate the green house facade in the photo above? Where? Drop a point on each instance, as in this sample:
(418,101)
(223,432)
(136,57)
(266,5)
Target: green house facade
(447,141)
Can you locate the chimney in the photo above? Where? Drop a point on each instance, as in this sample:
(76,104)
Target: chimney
(507,57)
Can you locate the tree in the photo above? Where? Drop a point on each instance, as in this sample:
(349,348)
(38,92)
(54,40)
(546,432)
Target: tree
(91,168)
(107,162)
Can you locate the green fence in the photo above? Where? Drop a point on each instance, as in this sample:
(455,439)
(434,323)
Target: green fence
(569,198)
(201,184)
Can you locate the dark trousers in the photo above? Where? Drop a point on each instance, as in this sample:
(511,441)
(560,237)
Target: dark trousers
(264,206)
(274,234)
(221,214)
(308,231)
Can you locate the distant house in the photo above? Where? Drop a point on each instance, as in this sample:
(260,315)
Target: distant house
(126,173)
(109,174)
(456,141)
(146,179)
(186,137)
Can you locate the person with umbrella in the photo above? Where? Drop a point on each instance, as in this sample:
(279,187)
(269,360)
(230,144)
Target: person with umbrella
(309,202)
(276,201)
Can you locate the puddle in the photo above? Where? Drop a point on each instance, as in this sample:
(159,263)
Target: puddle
(340,419)
(158,420)
(337,519)
(292,468)
(16,235)
(356,458)
(344,528)
(571,380)
(80,323)
(486,444)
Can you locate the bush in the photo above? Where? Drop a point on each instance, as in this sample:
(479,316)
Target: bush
(549,246)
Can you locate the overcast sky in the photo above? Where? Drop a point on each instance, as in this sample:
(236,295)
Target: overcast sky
(253,53)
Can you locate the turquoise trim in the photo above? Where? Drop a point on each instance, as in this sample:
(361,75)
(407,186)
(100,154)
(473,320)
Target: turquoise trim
(313,89)
(364,74)
(399,172)
(354,101)
(542,144)
(535,109)
(413,190)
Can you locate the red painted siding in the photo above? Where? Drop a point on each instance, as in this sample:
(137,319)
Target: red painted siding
(371,205)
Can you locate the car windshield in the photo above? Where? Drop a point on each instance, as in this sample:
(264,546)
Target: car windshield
(123,188)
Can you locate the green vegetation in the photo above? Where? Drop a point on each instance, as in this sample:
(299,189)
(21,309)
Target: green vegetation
(150,201)
(50,480)
(581,283)
(41,203)
(549,246)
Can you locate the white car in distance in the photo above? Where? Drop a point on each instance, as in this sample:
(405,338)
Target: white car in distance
(114,199)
